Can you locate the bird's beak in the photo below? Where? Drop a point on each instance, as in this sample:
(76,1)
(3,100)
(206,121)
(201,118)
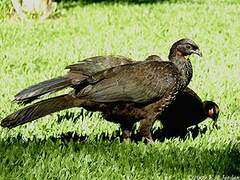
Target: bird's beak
(197,52)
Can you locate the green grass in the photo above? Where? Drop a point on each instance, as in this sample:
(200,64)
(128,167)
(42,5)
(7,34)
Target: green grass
(32,51)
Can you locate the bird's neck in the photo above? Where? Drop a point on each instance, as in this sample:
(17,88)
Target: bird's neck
(185,67)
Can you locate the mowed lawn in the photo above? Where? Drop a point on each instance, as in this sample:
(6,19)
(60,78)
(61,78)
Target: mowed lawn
(70,144)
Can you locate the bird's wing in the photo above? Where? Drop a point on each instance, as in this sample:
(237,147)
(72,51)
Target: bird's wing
(96,64)
(141,82)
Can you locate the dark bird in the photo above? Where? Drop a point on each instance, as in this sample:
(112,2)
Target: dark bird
(187,110)
(140,91)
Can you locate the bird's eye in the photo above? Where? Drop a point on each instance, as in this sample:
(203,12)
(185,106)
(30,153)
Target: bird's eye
(188,47)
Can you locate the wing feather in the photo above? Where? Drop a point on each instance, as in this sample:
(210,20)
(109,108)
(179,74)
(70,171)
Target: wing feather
(140,82)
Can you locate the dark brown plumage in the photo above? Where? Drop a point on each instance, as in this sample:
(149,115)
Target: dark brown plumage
(187,110)
(140,91)
(77,73)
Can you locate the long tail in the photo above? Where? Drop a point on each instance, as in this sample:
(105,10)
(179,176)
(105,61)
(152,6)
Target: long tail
(35,91)
(40,109)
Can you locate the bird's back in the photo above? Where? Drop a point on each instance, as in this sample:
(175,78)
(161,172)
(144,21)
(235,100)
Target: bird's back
(96,64)
(185,111)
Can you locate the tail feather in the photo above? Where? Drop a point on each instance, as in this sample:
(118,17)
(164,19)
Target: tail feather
(40,109)
(35,91)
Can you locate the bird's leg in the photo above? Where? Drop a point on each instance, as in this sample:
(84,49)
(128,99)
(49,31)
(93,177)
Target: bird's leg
(153,111)
(145,129)
(126,136)
(126,129)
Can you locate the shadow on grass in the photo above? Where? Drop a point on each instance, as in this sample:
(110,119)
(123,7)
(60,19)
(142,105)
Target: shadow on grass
(117,1)
(68,4)
(158,135)
(18,154)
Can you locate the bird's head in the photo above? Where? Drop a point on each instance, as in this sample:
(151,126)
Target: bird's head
(211,110)
(183,48)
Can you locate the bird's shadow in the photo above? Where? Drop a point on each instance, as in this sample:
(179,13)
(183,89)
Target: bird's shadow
(158,134)
(71,136)
(19,149)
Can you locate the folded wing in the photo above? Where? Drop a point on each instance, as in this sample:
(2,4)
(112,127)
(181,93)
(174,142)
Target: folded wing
(141,82)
